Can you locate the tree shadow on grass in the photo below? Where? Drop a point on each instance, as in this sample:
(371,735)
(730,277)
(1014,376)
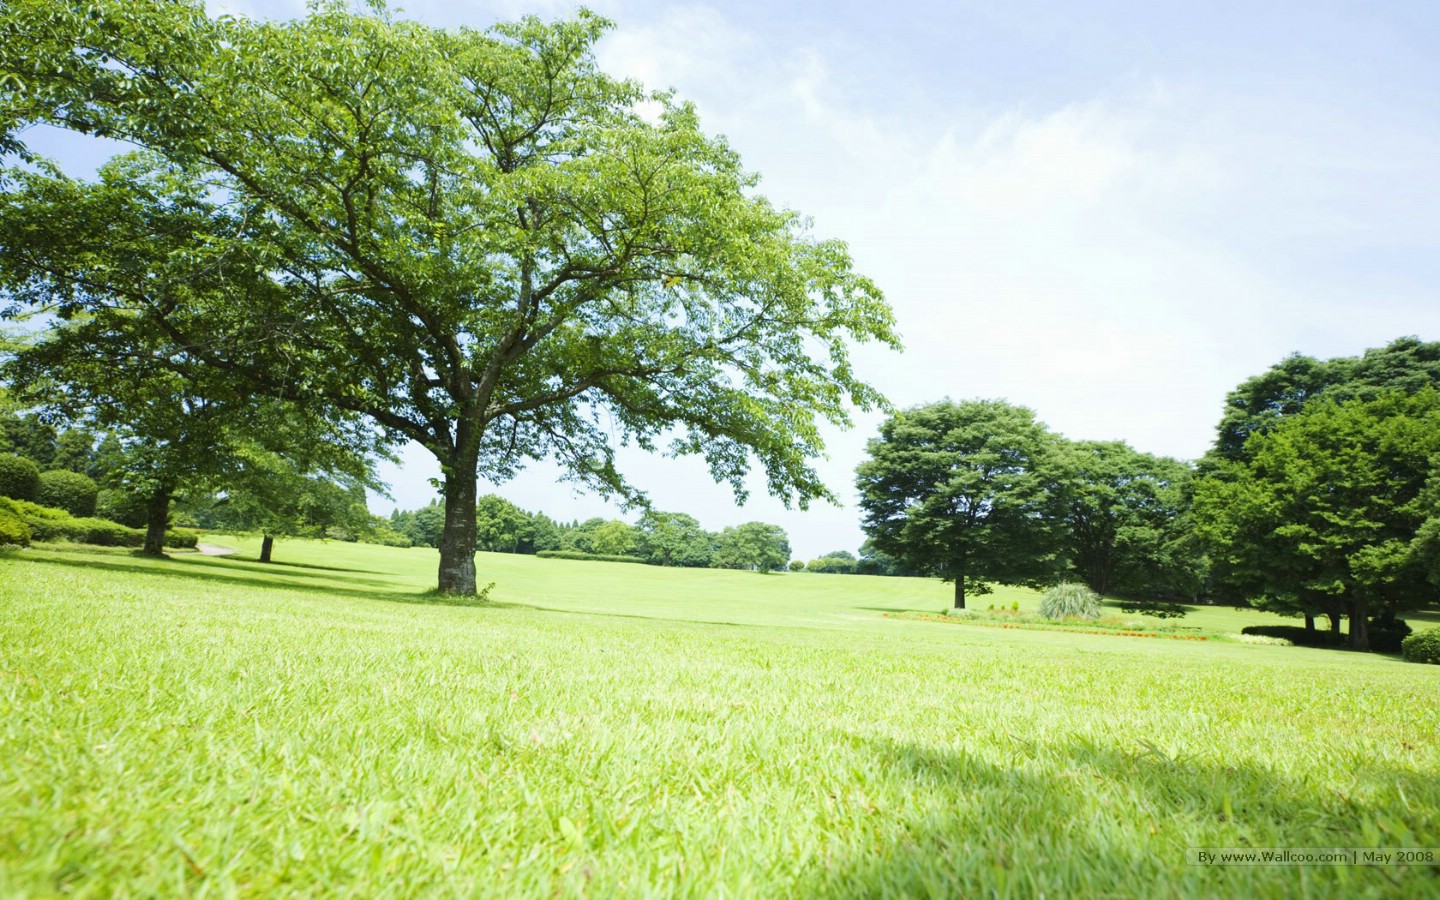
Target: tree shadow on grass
(1100,821)
(219,571)
(264,567)
(280,570)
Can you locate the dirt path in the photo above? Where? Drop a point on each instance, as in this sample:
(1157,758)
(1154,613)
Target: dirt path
(212,550)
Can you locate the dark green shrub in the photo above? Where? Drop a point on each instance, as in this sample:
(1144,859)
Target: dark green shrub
(121,506)
(593,557)
(797,565)
(70,491)
(104,533)
(13,529)
(1423,647)
(1070,601)
(1386,637)
(1299,635)
(19,477)
(179,538)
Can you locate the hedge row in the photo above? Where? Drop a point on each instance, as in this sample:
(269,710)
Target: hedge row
(593,557)
(46,524)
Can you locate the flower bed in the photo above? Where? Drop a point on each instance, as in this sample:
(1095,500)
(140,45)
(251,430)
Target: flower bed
(1051,626)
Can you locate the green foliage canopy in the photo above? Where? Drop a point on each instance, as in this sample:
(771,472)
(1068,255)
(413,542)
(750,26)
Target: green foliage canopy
(526,250)
(753,545)
(1328,513)
(1122,520)
(963,491)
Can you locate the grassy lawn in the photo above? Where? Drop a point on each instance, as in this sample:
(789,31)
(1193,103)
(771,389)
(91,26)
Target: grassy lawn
(214,726)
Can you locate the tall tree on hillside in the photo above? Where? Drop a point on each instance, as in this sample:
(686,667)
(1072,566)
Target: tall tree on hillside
(477,239)
(1328,514)
(963,491)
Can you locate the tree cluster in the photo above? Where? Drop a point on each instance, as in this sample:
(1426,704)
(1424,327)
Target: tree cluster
(1319,499)
(979,491)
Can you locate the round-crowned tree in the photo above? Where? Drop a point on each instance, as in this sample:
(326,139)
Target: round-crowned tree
(19,477)
(70,491)
(551,263)
(962,491)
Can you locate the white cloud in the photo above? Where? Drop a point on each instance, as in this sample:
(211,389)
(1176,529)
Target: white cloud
(687,46)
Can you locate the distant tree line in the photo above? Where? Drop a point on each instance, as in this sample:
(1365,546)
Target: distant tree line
(658,538)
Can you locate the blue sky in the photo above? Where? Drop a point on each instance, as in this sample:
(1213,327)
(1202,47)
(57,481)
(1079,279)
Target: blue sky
(1111,212)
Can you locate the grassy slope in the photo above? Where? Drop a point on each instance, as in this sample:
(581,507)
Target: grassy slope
(214,725)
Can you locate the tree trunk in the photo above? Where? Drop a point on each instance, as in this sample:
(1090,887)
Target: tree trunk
(959,591)
(1309,621)
(457,540)
(267,543)
(157,516)
(1334,617)
(1359,628)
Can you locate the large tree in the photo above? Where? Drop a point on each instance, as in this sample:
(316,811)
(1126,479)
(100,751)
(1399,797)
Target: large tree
(963,491)
(1122,519)
(1328,514)
(753,545)
(476,238)
(674,539)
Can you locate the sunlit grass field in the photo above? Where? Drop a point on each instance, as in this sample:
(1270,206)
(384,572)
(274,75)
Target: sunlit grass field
(215,726)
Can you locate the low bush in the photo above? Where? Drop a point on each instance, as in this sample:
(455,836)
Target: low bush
(180,538)
(13,529)
(1070,601)
(797,565)
(70,491)
(1423,647)
(1298,635)
(1262,639)
(19,477)
(593,557)
(49,524)
(387,537)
